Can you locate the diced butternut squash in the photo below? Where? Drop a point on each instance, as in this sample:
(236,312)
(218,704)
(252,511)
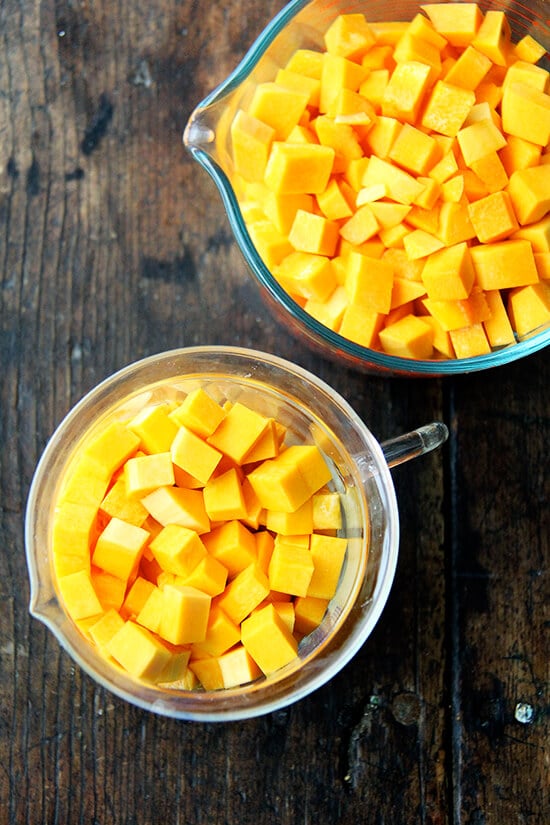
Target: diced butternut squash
(529,190)
(493,217)
(166,595)
(504,265)
(369,282)
(178,549)
(468,342)
(237,667)
(119,547)
(309,612)
(401,186)
(185,614)
(328,553)
(414,150)
(147,472)
(306,274)
(405,91)
(493,37)
(118,503)
(479,139)
(349,36)
(244,593)
(199,412)
(447,108)
(113,446)
(296,169)
(251,140)
(268,640)
(529,49)
(103,630)
(224,497)
(239,430)
(443,116)
(409,337)
(190,452)
(313,233)
(290,569)
(458,23)
(498,327)
(469,69)
(526,113)
(529,307)
(221,634)
(233,545)
(139,651)
(277,107)
(338,73)
(79,596)
(448,274)
(110,589)
(286,482)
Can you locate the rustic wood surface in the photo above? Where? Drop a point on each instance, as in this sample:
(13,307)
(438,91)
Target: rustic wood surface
(115,245)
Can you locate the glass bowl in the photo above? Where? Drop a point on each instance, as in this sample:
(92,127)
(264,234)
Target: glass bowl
(301,24)
(313,412)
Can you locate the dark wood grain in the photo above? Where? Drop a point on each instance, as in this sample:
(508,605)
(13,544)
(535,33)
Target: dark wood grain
(114,245)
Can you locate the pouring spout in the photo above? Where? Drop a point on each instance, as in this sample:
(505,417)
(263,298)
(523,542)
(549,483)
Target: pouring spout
(198,133)
(416,443)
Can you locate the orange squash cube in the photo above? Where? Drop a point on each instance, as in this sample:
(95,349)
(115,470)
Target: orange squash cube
(409,337)
(309,612)
(526,113)
(138,651)
(233,545)
(199,412)
(493,37)
(405,91)
(268,640)
(290,569)
(414,150)
(277,107)
(313,233)
(458,23)
(338,73)
(498,328)
(529,190)
(78,594)
(349,36)
(251,140)
(178,549)
(469,69)
(470,341)
(294,168)
(224,498)
(328,553)
(493,217)
(184,615)
(119,548)
(447,108)
(178,505)
(529,307)
(238,432)
(244,593)
(504,265)
(448,274)
(145,473)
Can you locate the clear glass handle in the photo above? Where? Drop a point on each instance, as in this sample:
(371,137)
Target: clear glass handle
(417,442)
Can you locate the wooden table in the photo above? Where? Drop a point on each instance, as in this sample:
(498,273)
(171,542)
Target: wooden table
(115,245)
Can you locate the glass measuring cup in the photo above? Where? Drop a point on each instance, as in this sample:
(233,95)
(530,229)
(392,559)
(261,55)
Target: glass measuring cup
(301,24)
(313,412)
